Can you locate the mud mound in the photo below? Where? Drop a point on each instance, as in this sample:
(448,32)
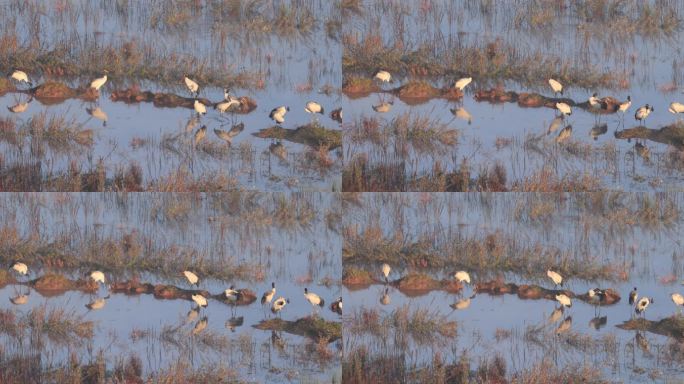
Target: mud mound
(357,87)
(357,277)
(169,100)
(417,284)
(132,287)
(246,297)
(672,134)
(672,326)
(53,92)
(313,135)
(314,327)
(611,297)
(496,95)
(54,284)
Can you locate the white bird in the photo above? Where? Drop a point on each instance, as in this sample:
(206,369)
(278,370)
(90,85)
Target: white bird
(564,300)
(594,100)
(462,276)
(642,113)
(192,278)
(21,76)
(314,107)
(98,277)
(20,107)
(279,304)
(383,76)
(313,298)
(385,268)
(462,114)
(642,304)
(192,85)
(278,114)
(555,277)
(564,108)
(623,107)
(383,107)
(232,295)
(20,268)
(336,306)
(199,107)
(462,83)
(200,300)
(98,114)
(676,108)
(99,82)
(556,86)
(227,104)
(98,303)
(267,297)
(564,134)
(678,299)
(19,300)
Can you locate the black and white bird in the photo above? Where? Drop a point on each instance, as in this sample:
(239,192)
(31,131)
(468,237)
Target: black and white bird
(594,101)
(192,278)
(633,296)
(98,277)
(623,107)
(642,113)
(462,277)
(642,304)
(20,76)
(564,108)
(229,102)
(200,108)
(19,268)
(279,304)
(200,300)
(383,76)
(556,86)
(555,277)
(232,295)
(385,269)
(676,108)
(597,296)
(267,297)
(564,300)
(336,306)
(278,114)
(99,82)
(677,299)
(192,85)
(314,299)
(313,107)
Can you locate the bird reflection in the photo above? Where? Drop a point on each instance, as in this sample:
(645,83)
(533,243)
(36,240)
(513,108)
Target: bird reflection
(598,322)
(200,326)
(555,124)
(192,315)
(564,326)
(385,299)
(98,303)
(556,315)
(463,303)
(642,342)
(19,299)
(598,130)
(99,114)
(462,114)
(383,107)
(234,322)
(20,107)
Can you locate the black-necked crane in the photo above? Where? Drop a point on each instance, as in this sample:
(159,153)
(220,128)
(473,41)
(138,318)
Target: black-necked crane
(597,296)
(555,277)
(385,299)
(278,114)
(336,306)
(232,295)
(192,278)
(598,130)
(594,101)
(99,114)
(623,107)
(19,268)
(383,107)
(564,300)
(228,102)
(228,136)
(642,304)
(200,134)
(556,86)
(462,83)
(313,107)
(383,76)
(564,134)
(385,269)
(678,300)
(279,304)
(463,303)
(336,115)
(564,326)
(200,108)
(200,300)
(20,107)
(462,114)
(564,108)
(192,85)
(267,297)
(19,299)
(313,299)
(642,113)
(98,277)
(462,277)
(20,76)
(633,296)
(98,303)
(200,325)
(99,82)
(676,108)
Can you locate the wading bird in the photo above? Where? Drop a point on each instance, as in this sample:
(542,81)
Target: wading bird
(336,306)
(192,278)
(200,300)
(385,268)
(633,296)
(192,85)
(314,107)
(462,277)
(200,108)
(99,82)
(564,300)
(594,101)
(278,114)
(98,277)
(232,295)
(597,296)
(383,76)
(642,304)
(20,76)
(642,113)
(556,86)
(267,297)
(462,83)
(555,277)
(678,300)
(228,102)
(564,109)
(19,268)
(279,304)
(623,107)
(676,108)
(314,299)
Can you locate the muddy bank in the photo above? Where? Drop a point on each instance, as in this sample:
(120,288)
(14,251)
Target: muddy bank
(169,100)
(419,92)
(417,284)
(671,135)
(535,292)
(171,292)
(312,327)
(313,135)
(358,87)
(54,284)
(608,104)
(53,92)
(672,326)
(356,279)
